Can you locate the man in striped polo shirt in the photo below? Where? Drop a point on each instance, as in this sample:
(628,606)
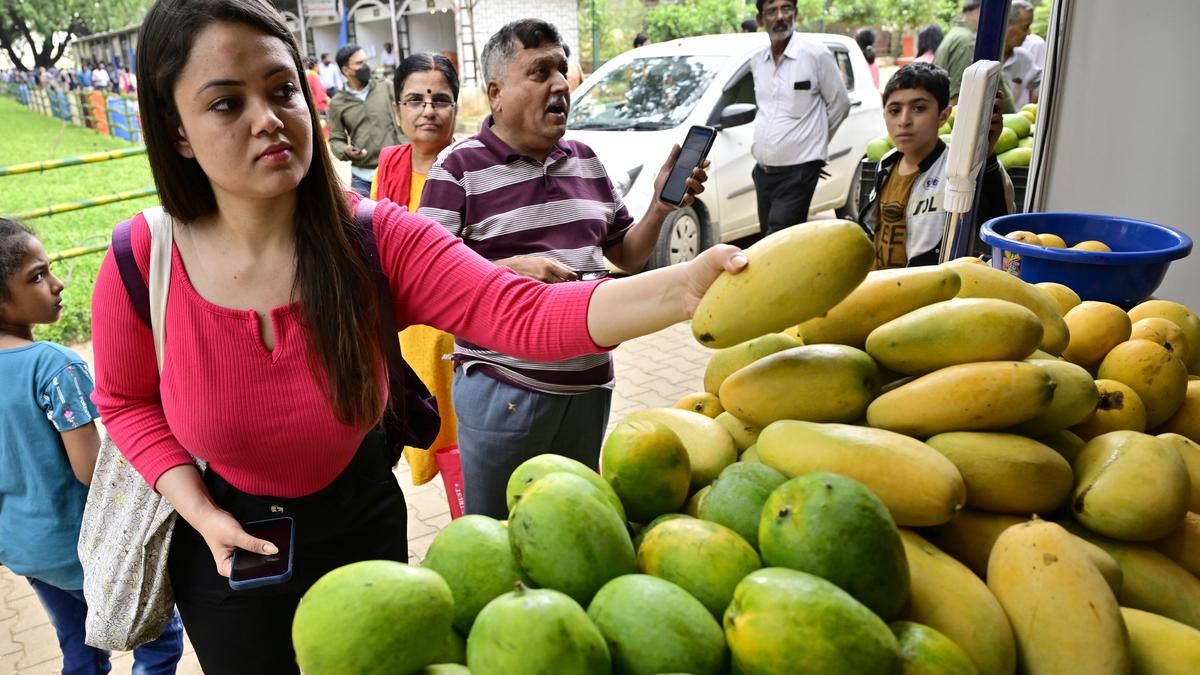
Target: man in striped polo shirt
(521,196)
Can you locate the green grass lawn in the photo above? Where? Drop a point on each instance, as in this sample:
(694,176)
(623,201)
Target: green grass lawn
(29,137)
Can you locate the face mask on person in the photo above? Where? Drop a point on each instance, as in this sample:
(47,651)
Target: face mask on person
(363,74)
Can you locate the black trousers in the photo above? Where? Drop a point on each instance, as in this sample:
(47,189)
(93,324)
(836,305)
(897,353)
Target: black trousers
(361,515)
(785,194)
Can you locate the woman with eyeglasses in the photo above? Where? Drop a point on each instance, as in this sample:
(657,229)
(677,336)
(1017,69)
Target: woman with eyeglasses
(426,108)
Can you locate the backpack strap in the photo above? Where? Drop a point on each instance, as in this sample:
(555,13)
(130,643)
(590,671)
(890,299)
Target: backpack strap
(413,418)
(131,276)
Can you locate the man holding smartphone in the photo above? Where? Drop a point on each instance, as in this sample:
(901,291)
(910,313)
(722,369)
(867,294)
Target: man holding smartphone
(360,119)
(519,195)
(802,100)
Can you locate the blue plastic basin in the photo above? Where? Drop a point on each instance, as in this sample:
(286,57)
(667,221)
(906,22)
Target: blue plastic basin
(1141,253)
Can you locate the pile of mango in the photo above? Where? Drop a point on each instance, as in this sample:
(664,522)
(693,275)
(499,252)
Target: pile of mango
(1014,147)
(929,470)
(1051,240)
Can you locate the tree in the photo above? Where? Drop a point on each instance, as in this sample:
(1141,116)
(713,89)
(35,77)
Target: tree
(618,21)
(669,21)
(819,13)
(1041,20)
(816,14)
(47,27)
(914,13)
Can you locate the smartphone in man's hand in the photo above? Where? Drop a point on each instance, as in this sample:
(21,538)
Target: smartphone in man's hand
(695,149)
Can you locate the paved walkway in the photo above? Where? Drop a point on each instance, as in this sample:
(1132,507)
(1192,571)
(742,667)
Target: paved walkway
(652,371)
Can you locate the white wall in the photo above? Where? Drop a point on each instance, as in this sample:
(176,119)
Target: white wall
(491,15)
(1123,137)
(431,32)
(372,35)
(325,39)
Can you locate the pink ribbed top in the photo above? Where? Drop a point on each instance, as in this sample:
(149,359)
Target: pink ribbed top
(259,417)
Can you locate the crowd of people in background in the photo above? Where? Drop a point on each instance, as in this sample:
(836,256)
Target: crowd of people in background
(1023,56)
(93,76)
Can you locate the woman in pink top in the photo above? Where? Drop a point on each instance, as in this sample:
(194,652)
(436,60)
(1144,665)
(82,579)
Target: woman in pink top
(272,370)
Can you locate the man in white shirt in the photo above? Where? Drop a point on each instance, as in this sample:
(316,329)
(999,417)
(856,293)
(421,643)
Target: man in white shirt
(801,101)
(1035,46)
(100,78)
(388,60)
(1021,69)
(330,74)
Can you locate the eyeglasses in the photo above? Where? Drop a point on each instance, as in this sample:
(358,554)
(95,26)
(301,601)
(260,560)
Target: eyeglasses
(784,11)
(417,105)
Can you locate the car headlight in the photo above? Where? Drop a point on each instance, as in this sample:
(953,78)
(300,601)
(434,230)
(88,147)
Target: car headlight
(623,183)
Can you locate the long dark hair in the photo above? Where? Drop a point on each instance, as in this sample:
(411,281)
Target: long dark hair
(339,304)
(929,39)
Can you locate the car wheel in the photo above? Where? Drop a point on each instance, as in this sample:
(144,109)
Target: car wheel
(849,210)
(684,235)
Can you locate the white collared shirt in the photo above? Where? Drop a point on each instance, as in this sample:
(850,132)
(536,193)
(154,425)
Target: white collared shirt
(1023,76)
(801,102)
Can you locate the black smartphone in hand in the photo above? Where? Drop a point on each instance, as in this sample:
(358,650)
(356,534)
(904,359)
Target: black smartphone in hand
(252,570)
(692,153)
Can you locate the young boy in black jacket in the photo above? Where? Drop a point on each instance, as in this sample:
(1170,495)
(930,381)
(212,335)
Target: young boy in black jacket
(905,215)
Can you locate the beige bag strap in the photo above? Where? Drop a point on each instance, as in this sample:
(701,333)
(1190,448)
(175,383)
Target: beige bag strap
(161,238)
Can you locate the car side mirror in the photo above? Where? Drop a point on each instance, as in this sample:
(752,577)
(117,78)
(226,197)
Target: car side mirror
(737,114)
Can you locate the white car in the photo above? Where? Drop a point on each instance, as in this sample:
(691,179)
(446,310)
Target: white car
(635,107)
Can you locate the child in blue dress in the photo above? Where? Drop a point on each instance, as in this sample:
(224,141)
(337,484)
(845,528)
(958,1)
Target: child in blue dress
(48,446)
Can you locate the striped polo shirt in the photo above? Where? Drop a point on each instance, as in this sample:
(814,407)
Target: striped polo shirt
(504,204)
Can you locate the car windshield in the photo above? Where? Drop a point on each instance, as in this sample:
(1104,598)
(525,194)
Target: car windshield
(649,93)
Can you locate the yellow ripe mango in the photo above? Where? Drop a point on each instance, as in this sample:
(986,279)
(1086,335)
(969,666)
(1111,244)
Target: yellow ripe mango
(1153,581)
(918,485)
(1159,378)
(1065,443)
(1025,237)
(981,281)
(884,295)
(815,383)
(701,402)
(1181,316)
(971,535)
(743,433)
(1096,327)
(1186,420)
(792,276)
(1006,473)
(1063,295)
(1163,331)
(961,330)
(1189,450)
(1118,408)
(946,596)
(1064,615)
(1130,486)
(1051,240)
(1075,399)
(1183,544)
(1160,646)
(1093,246)
(985,396)
(725,362)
